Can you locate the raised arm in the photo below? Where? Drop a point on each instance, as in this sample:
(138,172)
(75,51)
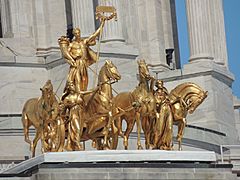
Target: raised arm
(93,37)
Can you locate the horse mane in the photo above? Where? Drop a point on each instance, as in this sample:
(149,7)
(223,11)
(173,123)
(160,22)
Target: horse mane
(185,90)
(101,72)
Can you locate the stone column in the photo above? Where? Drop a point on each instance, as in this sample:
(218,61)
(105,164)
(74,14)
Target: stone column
(21,19)
(113,29)
(198,14)
(170,30)
(6,19)
(151,34)
(167,24)
(218,32)
(83,16)
(206,31)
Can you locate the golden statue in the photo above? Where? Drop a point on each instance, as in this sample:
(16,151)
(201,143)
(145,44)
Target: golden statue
(144,101)
(42,113)
(173,108)
(71,103)
(160,93)
(162,130)
(184,99)
(79,55)
(97,114)
(72,106)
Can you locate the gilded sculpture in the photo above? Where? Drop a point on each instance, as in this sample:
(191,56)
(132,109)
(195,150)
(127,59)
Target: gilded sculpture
(42,113)
(82,114)
(78,53)
(162,128)
(184,99)
(98,113)
(71,106)
(145,110)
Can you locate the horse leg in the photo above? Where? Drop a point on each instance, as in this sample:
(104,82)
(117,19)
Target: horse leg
(118,123)
(181,127)
(130,125)
(26,125)
(94,143)
(146,130)
(139,146)
(37,137)
(114,136)
(147,139)
(99,144)
(110,118)
(152,129)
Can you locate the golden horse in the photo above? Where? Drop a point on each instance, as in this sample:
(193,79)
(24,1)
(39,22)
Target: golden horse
(42,114)
(145,108)
(184,99)
(97,113)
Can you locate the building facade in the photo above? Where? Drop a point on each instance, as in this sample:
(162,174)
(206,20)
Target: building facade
(147,29)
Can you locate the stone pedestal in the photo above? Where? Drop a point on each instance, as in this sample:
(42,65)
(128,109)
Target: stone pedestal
(138,164)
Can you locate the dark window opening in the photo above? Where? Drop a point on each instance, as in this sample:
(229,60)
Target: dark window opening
(96,22)
(169,55)
(68,7)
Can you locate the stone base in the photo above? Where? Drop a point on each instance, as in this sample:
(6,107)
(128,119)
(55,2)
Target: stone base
(179,172)
(121,164)
(114,156)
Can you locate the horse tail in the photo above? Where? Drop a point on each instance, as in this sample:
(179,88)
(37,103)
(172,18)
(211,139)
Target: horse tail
(26,124)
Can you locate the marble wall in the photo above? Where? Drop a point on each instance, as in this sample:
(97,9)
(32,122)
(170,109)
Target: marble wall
(17,85)
(29,55)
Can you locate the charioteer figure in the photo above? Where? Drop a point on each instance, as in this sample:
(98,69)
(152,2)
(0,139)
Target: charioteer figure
(78,53)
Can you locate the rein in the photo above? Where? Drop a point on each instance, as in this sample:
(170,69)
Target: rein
(181,101)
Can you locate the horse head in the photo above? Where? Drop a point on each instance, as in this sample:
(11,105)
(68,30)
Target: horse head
(195,100)
(191,94)
(111,71)
(47,91)
(143,70)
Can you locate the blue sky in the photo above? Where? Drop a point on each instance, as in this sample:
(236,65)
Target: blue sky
(232,27)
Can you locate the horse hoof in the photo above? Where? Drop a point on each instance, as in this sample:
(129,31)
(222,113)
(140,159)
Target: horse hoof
(140,147)
(147,146)
(68,148)
(105,147)
(125,141)
(94,144)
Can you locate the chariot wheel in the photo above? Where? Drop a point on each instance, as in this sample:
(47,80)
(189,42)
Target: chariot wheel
(54,136)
